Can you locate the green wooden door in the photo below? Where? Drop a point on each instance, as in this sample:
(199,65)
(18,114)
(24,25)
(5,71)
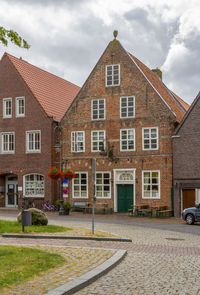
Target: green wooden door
(124,197)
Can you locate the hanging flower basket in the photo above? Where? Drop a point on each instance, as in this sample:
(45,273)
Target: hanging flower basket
(54,173)
(68,174)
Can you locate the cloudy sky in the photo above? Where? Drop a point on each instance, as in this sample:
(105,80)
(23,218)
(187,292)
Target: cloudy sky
(67,37)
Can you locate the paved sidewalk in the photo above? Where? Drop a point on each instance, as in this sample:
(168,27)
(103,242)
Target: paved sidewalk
(158,261)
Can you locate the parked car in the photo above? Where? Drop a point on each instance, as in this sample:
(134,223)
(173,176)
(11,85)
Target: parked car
(191,215)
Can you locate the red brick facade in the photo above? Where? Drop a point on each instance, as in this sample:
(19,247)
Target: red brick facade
(16,165)
(150,111)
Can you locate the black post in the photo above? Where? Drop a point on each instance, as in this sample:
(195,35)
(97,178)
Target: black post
(22,213)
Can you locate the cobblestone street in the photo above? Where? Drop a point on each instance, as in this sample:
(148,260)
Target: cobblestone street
(158,261)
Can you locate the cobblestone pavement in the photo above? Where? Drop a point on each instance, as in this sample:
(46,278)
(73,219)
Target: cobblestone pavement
(158,261)
(78,262)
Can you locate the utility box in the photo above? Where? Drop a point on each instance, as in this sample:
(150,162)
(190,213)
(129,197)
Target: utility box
(26,218)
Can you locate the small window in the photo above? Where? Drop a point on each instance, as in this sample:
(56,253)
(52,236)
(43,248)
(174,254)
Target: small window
(151,184)
(112,75)
(33,141)
(98,140)
(127,107)
(150,138)
(98,109)
(103,185)
(7,108)
(8,142)
(20,106)
(77,141)
(127,139)
(34,185)
(80,185)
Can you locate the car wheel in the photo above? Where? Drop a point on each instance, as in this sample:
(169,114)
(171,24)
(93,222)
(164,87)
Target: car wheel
(189,219)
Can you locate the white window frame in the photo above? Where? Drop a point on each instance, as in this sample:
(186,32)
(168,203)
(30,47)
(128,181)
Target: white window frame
(80,197)
(98,141)
(29,151)
(112,85)
(127,150)
(127,107)
(74,143)
(17,99)
(157,138)
(2,143)
(5,100)
(102,185)
(150,171)
(34,195)
(98,109)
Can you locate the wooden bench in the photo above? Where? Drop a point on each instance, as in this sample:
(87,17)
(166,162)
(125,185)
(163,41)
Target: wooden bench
(164,212)
(79,205)
(102,207)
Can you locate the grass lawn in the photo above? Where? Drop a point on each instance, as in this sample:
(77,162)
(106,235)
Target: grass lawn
(18,264)
(16,227)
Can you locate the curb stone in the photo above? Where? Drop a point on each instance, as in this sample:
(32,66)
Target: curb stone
(84,280)
(29,236)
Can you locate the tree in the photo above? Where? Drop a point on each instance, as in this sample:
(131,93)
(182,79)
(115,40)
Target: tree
(10,35)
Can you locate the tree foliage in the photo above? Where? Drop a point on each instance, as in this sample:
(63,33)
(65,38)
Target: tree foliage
(12,36)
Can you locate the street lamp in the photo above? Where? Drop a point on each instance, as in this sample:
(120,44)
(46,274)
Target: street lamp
(58,150)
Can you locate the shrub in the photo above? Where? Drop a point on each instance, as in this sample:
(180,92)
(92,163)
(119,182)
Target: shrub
(38,217)
(67,206)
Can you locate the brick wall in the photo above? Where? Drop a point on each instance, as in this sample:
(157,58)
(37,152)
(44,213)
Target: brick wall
(21,163)
(150,111)
(186,156)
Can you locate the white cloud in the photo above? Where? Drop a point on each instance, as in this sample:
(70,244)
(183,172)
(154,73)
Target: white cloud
(68,37)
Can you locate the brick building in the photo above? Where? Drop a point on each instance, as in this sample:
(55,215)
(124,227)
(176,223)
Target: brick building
(124,117)
(32,102)
(186,160)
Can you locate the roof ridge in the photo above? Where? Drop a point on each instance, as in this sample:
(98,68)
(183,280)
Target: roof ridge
(25,61)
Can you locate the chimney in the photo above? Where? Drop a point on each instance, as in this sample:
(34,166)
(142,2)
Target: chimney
(158,72)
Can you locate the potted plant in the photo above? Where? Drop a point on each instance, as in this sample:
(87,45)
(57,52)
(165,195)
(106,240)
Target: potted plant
(57,203)
(68,174)
(67,207)
(54,173)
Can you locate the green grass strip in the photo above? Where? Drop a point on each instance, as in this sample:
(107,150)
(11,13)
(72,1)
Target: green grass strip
(18,264)
(16,227)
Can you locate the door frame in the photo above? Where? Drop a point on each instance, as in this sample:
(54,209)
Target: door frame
(15,182)
(117,173)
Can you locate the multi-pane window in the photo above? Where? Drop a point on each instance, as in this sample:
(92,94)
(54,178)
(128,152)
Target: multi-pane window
(151,184)
(127,107)
(113,75)
(98,109)
(34,185)
(78,141)
(127,139)
(20,106)
(98,140)
(80,185)
(103,187)
(33,141)
(150,138)
(7,107)
(7,142)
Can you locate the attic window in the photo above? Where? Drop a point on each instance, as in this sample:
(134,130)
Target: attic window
(112,75)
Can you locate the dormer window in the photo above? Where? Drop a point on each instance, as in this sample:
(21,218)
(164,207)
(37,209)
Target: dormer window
(113,75)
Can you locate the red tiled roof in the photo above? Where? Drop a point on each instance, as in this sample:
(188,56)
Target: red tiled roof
(173,101)
(53,93)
